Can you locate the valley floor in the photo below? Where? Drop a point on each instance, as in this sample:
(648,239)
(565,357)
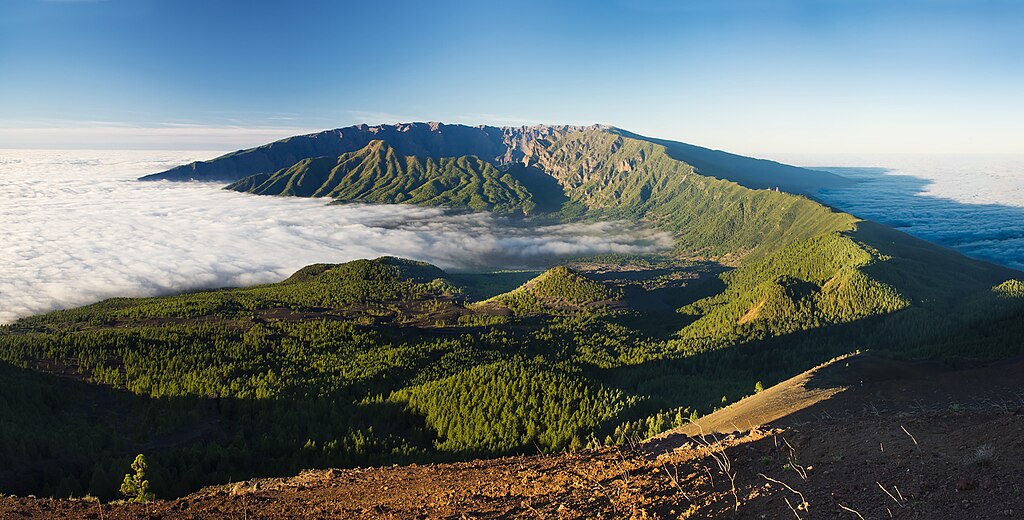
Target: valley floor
(860,437)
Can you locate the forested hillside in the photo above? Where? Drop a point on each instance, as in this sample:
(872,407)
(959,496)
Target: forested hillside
(377,174)
(558,290)
(375,362)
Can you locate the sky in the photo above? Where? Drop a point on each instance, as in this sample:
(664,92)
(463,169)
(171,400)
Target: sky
(749,76)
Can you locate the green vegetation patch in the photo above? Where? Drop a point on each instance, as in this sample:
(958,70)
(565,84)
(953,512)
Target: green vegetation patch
(1010,289)
(810,284)
(512,405)
(557,289)
(378,174)
(620,177)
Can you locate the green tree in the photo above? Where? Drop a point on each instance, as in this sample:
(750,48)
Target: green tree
(136,487)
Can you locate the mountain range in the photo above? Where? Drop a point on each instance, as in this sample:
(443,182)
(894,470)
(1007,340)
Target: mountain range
(501,146)
(382,361)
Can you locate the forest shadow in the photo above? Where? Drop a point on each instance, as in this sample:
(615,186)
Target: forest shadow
(546,191)
(60,436)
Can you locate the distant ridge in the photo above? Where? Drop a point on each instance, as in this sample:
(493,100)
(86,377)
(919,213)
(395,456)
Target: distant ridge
(501,146)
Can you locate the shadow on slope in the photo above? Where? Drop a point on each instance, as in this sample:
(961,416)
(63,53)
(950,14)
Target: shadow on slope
(547,193)
(866,384)
(70,438)
(986,327)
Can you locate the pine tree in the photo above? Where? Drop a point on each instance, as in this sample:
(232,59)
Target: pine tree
(136,487)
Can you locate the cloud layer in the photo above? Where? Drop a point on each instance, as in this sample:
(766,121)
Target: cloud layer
(972,203)
(78,228)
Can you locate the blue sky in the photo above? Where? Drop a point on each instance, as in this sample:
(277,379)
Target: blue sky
(750,76)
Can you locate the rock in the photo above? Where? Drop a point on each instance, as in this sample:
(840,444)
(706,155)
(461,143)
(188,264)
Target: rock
(965,484)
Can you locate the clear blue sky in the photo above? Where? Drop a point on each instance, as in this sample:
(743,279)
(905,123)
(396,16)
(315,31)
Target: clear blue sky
(743,75)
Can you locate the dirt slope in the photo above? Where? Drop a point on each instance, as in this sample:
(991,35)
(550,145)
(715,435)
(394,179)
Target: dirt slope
(867,384)
(857,438)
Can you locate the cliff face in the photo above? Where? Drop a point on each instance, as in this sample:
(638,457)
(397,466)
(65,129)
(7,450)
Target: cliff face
(501,146)
(536,147)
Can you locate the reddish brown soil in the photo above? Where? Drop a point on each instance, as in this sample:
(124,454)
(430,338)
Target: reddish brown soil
(910,441)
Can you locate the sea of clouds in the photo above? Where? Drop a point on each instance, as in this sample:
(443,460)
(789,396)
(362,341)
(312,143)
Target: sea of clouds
(78,228)
(971,203)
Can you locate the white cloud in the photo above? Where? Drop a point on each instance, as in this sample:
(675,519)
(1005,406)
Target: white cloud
(972,203)
(177,136)
(78,228)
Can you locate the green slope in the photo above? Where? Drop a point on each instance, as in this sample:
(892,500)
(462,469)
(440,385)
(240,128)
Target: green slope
(559,289)
(811,284)
(593,173)
(378,174)
(481,410)
(746,171)
(505,147)
(384,361)
(620,177)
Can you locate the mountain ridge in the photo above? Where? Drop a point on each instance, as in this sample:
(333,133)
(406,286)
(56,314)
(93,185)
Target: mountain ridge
(503,146)
(570,173)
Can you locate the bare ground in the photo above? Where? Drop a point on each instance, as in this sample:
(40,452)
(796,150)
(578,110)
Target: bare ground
(858,438)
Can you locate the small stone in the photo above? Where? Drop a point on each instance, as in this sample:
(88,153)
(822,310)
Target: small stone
(965,484)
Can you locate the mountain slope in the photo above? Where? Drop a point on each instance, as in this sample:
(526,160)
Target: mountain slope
(377,173)
(613,176)
(746,171)
(588,173)
(502,146)
(369,362)
(557,289)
